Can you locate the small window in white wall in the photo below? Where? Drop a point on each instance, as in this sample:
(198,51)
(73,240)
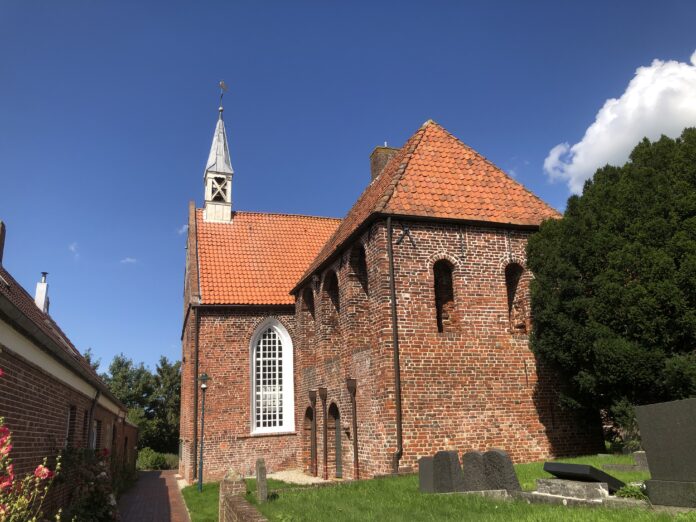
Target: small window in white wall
(272,401)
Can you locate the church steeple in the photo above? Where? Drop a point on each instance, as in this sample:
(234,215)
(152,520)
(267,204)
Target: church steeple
(218,174)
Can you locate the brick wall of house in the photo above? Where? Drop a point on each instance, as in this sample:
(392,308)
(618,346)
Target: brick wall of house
(474,386)
(37,408)
(224,354)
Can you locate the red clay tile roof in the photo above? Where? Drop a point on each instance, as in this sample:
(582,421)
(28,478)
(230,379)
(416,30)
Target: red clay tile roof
(24,304)
(256,259)
(435,175)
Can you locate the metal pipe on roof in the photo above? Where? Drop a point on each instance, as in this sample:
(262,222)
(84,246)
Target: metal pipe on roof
(396,457)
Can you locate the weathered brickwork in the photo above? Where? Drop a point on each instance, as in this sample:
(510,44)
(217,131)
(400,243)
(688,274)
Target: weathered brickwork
(474,386)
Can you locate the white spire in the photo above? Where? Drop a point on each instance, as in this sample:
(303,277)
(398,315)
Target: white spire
(219,157)
(218,174)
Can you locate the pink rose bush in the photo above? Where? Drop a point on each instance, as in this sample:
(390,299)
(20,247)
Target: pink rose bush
(21,499)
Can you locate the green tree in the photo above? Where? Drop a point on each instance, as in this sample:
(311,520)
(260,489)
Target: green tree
(614,294)
(153,400)
(88,356)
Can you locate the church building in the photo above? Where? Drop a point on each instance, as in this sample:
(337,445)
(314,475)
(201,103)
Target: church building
(349,348)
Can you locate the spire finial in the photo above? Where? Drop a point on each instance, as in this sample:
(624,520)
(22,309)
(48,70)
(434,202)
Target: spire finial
(223,89)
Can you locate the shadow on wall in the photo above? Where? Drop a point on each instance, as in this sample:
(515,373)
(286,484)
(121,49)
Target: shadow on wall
(570,433)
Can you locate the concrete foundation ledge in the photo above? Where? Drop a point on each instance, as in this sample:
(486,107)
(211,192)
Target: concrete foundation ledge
(573,489)
(671,493)
(501,494)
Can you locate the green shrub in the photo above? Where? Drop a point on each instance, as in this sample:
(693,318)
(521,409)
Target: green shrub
(150,459)
(632,491)
(172,460)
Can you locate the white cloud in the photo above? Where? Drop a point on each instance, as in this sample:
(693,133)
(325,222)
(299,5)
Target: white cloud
(181,231)
(128,261)
(660,99)
(73,248)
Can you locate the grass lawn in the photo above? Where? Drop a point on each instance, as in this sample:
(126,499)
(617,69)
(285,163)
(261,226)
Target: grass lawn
(398,498)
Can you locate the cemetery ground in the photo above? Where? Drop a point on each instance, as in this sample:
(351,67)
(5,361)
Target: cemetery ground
(398,498)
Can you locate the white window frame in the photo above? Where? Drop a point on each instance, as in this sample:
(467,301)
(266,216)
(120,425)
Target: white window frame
(288,391)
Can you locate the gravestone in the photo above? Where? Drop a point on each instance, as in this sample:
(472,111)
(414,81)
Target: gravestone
(583,473)
(441,473)
(500,474)
(261,482)
(447,473)
(474,471)
(641,461)
(668,435)
(425,475)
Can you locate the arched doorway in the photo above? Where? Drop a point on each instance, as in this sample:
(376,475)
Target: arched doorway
(334,421)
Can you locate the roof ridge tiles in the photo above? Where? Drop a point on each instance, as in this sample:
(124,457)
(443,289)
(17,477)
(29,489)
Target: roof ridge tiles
(288,214)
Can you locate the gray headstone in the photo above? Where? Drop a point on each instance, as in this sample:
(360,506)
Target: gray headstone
(500,474)
(447,473)
(425,475)
(261,482)
(668,432)
(641,460)
(474,471)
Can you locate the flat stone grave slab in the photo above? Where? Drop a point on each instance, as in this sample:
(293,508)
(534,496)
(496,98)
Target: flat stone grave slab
(583,473)
(573,489)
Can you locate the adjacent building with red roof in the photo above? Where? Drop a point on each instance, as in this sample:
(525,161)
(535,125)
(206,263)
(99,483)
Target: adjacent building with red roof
(351,348)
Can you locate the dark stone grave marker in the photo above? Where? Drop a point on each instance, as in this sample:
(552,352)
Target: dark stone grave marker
(582,473)
(500,474)
(261,482)
(425,475)
(447,473)
(441,473)
(474,471)
(668,435)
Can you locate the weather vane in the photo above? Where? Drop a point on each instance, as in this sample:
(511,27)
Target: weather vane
(223,90)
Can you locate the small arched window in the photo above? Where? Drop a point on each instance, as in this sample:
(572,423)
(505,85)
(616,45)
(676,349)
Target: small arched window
(272,379)
(308,302)
(517,309)
(358,263)
(444,295)
(331,292)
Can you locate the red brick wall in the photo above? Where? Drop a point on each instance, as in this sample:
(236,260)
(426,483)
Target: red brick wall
(474,386)
(224,354)
(35,406)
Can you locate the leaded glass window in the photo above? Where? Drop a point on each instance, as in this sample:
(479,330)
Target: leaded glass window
(268,370)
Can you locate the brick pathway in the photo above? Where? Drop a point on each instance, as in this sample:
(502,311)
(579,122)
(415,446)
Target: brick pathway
(155,497)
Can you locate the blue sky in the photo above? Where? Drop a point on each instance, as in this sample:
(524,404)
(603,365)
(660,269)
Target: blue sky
(107,110)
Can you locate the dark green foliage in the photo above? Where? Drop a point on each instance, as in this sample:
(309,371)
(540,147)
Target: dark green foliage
(152,399)
(150,459)
(614,295)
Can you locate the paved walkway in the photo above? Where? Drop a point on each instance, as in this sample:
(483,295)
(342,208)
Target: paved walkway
(155,497)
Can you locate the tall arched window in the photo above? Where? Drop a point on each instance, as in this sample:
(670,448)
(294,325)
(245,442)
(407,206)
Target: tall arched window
(517,307)
(444,295)
(272,379)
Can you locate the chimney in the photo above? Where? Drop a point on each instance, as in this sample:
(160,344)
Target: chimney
(2,240)
(379,158)
(41,298)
